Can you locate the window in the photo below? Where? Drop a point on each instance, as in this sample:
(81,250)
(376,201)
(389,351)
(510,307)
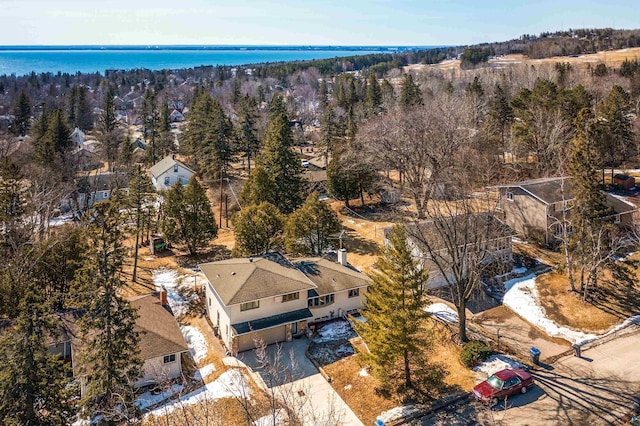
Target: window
(169,358)
(175,168)
(250,305)
(617,219)
(166,181)
(354,293)
(291,296)
(320,301)
(509,196)
(209,300)
(105,194)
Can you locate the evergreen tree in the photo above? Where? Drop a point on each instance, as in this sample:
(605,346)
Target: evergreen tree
(84,115)
(342,181)
(259,188)
(500,114)
(373,100)
(257,229)
(396,327)
(282,164)
(330,132)
(52,146)
(236,93)
(32,381)
(617,127)
(309,228)
(22,113)
(111,354)
(323,94)
(410,94)
(108,126)
(187,216)
(247,128)
(72,102)
(388,95)
(140,191)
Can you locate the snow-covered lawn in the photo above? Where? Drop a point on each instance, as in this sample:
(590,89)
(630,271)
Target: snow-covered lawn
(522,297)
(196,342)
(148,399)
(230,384)
(494,364)
(61,220)
(443,311)
(279,419)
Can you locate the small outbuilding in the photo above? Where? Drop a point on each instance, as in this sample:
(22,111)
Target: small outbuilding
(625,182)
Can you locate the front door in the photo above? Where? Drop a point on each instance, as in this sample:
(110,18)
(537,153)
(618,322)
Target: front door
(294,328)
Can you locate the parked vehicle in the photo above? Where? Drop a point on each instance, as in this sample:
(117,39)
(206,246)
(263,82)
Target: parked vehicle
(503,384)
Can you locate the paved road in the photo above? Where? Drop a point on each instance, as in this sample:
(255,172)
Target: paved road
(597,389)
(302,386)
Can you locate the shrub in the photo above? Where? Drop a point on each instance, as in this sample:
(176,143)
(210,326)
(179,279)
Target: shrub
(474,353)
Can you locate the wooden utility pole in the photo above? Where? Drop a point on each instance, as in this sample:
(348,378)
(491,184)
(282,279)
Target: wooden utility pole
(221,180)
(226,209)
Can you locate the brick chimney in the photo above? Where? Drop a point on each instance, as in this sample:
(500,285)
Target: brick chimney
(164,300)
(342,256)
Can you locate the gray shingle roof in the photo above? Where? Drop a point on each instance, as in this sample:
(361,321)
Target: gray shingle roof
(165,164)
(331,277)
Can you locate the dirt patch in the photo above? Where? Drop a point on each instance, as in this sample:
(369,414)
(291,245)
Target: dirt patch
(446,353)
(358,391)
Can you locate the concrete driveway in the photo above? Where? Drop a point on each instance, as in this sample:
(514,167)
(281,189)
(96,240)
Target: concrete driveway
(297,383)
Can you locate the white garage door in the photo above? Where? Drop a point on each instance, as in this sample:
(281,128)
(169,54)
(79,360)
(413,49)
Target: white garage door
(270,335)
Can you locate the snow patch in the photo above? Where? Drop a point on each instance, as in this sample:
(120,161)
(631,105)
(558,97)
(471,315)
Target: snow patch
(204,372)
(443,311)
(364,372)
(230,384)
(148,399)
(196,342)
(397,413)
(493,364)
(348,387)
(522,297)
(279,419)
(180,288)
(334,331)
(520,270)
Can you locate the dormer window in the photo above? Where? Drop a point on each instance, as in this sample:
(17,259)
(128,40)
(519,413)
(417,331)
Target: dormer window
(509,196)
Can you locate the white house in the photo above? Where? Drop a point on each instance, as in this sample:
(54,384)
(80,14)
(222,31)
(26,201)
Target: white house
(168,171)
(77,137)
(273,298)
(176,116)
(98,187)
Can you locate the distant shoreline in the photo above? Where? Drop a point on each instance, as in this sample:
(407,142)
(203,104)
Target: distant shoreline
(213,47)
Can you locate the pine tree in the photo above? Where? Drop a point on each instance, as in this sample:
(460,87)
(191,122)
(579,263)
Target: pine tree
(410,94)
(342,182)
(72,102)
(22,113)
(32,381)
(187,216)
(323,94)
(373,100)
(52,146)
(309,228)
(140,190)
(617,128)
(247,130)
(396,321)
(259,188)
(84,115)
(388,95)
(257,229)
(110,358)
(500,114)
(108,126)
(282,164)
(330,132)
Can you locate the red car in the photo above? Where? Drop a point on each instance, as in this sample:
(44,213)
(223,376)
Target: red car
(501,385)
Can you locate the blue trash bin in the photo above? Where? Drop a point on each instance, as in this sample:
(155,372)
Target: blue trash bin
(535,355)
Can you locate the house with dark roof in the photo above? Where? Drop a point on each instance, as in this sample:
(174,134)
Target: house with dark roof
(275,298)
(486,236)
(536,208)
(161,342)
(97,187)
(166,172)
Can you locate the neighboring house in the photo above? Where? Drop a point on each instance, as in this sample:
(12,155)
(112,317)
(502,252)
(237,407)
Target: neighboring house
(77,136)
(161,342)
(315,181)
(98,187)
(490,237)
(176,116)
(535,208)
(275,298)
(625,182)
(168,171)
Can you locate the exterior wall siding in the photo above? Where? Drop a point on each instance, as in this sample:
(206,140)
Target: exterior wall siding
(523,211)
(215,307)
(342,303)
(183,174)
(268,307)
(156,371)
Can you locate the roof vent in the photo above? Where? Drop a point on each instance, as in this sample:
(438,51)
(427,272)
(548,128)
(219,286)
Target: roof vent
(233,273)
(250,259)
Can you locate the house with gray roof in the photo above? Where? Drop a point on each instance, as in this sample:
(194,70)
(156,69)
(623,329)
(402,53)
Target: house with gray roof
(166,172)
(535,208)
(274,298)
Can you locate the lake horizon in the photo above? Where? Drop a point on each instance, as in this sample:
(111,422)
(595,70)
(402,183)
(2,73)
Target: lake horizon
(23,60)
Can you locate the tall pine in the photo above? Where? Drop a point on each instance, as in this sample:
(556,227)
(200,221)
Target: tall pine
(22,113)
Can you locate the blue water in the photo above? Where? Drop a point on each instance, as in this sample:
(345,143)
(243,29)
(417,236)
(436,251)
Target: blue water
(24,61)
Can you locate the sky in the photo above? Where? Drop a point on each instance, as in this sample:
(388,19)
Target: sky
(299,22)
